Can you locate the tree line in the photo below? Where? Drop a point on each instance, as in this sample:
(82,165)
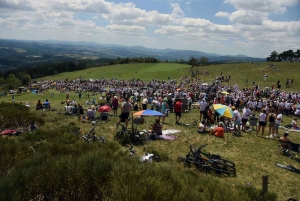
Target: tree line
(15,78)
(288,55)
(194,62)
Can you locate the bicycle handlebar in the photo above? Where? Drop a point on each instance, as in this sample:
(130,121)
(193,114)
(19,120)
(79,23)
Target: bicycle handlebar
(199,148)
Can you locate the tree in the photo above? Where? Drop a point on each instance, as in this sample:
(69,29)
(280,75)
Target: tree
(12,82)
(2,81)
(203,60)
(297,54)
(193,62)
(24,78)
(272,57)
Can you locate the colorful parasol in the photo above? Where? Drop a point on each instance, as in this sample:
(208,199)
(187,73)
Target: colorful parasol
(223,110)
(104,108)
(148,113)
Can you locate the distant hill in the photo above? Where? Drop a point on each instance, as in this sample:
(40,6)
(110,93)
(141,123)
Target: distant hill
(19,53)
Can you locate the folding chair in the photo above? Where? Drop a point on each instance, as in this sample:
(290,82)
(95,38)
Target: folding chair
(294,148)
(253,123)
(103,116)
(288,149)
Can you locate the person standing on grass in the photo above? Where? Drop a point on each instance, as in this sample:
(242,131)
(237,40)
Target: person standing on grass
(126,108)
(271,122)
(178,110)
(202,105)
(277,123)
(262,122)
(13,98)
(144,103)
(245,116)
(115,105)
(236,119)
(164,107)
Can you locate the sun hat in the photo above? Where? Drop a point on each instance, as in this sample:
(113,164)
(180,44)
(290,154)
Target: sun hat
(233,107)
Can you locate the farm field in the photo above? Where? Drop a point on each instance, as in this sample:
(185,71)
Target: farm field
(254,156)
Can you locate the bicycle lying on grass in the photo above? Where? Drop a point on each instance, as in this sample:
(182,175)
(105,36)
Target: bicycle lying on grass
(137,137)
(147,157)
(194,124)
(288,167)
(211,163)
(90,136)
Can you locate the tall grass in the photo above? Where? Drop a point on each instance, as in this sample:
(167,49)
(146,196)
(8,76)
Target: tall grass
(79,171)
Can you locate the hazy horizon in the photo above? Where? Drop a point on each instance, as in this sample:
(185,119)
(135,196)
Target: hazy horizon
(225,27)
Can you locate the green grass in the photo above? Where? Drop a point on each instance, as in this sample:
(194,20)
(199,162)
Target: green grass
(253,156)
(238,72)
(128,71)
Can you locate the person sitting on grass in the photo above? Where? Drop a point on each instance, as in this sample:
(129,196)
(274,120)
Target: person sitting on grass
(156,127)
(285,141)
(294,124)
(46,105)
(32,127)
(218,131)
(202,127)
(39,105)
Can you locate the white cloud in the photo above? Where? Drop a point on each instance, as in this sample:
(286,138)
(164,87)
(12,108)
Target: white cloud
(123,29)
(222,14)
(176,12)
(269,6)
(125,23)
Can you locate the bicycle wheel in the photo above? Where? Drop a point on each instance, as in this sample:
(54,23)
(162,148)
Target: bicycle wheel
(219,172)
(193,150)
(120,137)
(225,162)
(220,166)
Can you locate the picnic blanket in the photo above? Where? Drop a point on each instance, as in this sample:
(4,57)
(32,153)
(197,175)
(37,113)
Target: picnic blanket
(167,135)
(289,130)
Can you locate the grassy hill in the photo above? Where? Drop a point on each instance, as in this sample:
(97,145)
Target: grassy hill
(253,156)
(239,72)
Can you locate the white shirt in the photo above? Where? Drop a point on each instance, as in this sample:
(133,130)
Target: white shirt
(278,119)
(262,117)
(246,113)
(236,115)
(202,105)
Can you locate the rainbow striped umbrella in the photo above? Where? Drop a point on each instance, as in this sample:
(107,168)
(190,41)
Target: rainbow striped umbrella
(148,113)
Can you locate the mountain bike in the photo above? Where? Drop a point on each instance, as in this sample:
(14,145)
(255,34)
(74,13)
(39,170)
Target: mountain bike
(216,157)
(90,136)
(210,163)
(136,137)
(288,167)
(194,124)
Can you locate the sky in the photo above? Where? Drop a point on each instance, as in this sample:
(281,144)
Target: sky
(227,27)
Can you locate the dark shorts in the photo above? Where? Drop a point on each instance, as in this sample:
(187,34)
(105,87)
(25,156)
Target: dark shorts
(115,107)
(262,123)
(178,114)
(202,112)
(124,115)
(244,121)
